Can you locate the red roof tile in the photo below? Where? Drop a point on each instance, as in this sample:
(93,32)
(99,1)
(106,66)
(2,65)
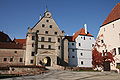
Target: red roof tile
(80,32)
(114,15)
(9,45)
(20,41)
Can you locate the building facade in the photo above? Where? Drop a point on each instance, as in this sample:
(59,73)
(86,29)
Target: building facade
(11,52)
(80,49)
(45,43)
(109,35)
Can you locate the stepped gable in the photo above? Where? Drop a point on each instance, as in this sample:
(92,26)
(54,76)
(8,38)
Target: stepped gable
(114,15)
(80,32)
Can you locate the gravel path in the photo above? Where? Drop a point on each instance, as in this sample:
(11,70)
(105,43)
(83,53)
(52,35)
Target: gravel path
(70,75)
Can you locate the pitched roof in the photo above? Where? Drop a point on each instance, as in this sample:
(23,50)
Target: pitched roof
(4,37)
(10,45)
(114,15)
(20,41)
(80,32)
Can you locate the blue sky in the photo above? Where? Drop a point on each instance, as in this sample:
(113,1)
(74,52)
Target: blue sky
(70,15)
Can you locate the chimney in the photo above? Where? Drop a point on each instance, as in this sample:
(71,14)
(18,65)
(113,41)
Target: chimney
(85,25)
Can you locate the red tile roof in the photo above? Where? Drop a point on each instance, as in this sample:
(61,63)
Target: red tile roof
(80,32)
(20,41)
(10,45)
(114,15)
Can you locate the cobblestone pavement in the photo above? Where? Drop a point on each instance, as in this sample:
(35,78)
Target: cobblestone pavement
(70,75)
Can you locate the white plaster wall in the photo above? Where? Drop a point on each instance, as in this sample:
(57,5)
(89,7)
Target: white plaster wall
(85,49)
(111,38)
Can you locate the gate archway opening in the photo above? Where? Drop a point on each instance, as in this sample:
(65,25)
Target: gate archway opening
(47,61)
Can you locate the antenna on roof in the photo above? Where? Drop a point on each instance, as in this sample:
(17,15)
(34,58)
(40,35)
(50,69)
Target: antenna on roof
(85,25)
(46,7)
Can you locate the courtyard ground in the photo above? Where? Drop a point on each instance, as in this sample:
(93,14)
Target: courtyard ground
(70,75)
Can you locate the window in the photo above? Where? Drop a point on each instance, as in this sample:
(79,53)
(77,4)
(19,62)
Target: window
(73,50)
(119,36)
(32,44)
(90,38)
(43,25)
(104,29)
(115,51)
(73,56)
(58,39)
(33,54)
(81,62)
(5,59)
(72,43)
(21,59)
(119,50)
(92,45)
(33,37)
(31,61)
(11,59)
(84,38)
(59,47)
(47,20)
(37,31)
(81,54)
(46,32)
(42,38)
(102,41)
(42,46)
(49,39)
(50,26)
(15,52)
(113,26)
(106,50)
(79,44)
(56,33)
(49,46)
(81,37)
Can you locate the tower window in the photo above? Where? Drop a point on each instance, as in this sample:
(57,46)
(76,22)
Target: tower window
(49,46)
(81,62)
(47,20)
(58,39)
(113,26)
(42,46)
(102,41)
(104,29)
(31,61)
(21,59)
(59,47)
(73,50)
(33,37)
(84,37)
(33,54)
(43,25)
(72,43)
(46,32)
(42,38)
(50,26)
(92,45)
(79,44)
(32,44)
(49,39)
(81,54)
(73,56)
(56,33)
